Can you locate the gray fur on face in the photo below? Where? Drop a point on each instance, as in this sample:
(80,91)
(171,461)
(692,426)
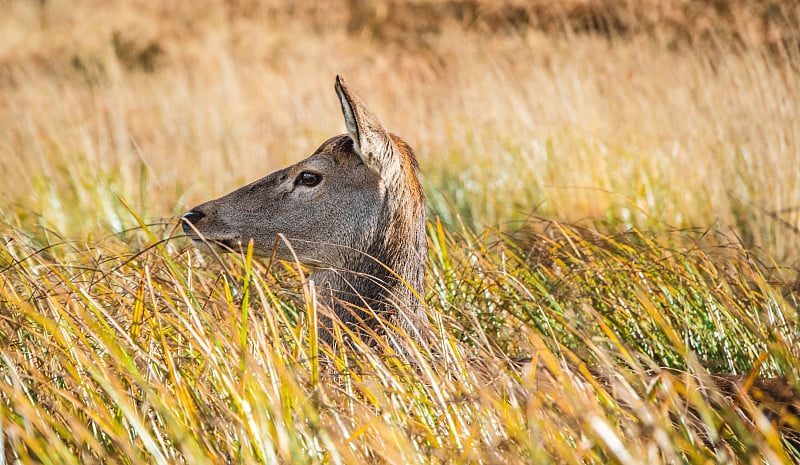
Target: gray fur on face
(311,218)
(360,221)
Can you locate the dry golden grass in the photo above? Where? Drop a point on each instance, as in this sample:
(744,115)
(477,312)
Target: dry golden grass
(504,124)
(116,350)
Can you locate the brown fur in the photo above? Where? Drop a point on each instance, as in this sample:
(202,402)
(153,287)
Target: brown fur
(775,398)
(362,227)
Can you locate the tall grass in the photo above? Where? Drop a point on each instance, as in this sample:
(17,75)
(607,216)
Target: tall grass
(630,129)
(668,174)
(116,355)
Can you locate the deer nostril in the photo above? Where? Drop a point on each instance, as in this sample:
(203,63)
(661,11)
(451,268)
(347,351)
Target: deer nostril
(192,217)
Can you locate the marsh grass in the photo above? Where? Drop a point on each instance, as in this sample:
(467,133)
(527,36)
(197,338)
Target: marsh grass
(633,130)
(116,355)
(667,172)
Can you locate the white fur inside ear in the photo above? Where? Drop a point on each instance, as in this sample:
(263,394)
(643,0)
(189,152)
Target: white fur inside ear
(349,119)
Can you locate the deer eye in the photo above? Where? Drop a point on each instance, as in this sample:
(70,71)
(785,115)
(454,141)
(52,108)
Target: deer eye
(308,179)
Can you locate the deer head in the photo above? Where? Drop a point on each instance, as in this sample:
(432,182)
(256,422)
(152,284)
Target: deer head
(354,210)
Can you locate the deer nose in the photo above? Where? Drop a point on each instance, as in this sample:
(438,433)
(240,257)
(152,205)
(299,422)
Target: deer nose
(192,217)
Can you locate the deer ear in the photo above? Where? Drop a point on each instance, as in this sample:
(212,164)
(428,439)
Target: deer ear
(370,139)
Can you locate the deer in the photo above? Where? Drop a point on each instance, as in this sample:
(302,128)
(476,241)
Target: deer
(354,211)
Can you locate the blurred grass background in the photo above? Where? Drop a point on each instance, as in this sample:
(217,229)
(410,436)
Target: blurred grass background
(647,114)
(660,140)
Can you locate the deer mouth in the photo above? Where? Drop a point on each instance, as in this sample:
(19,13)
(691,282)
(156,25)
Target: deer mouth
(223,243)
(217,244)
(227,245)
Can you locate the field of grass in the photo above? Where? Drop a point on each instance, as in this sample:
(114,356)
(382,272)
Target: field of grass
(620,203)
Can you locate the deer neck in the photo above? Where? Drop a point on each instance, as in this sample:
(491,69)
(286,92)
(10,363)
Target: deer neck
(386,280)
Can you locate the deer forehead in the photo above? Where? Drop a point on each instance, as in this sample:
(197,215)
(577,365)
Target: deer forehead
(338,157)
(322,163)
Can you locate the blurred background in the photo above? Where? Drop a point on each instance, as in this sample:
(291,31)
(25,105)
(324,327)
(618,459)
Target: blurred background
(615,114)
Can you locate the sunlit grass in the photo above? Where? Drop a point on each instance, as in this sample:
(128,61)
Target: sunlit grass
(117,355)
(630,130)
(623,210)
